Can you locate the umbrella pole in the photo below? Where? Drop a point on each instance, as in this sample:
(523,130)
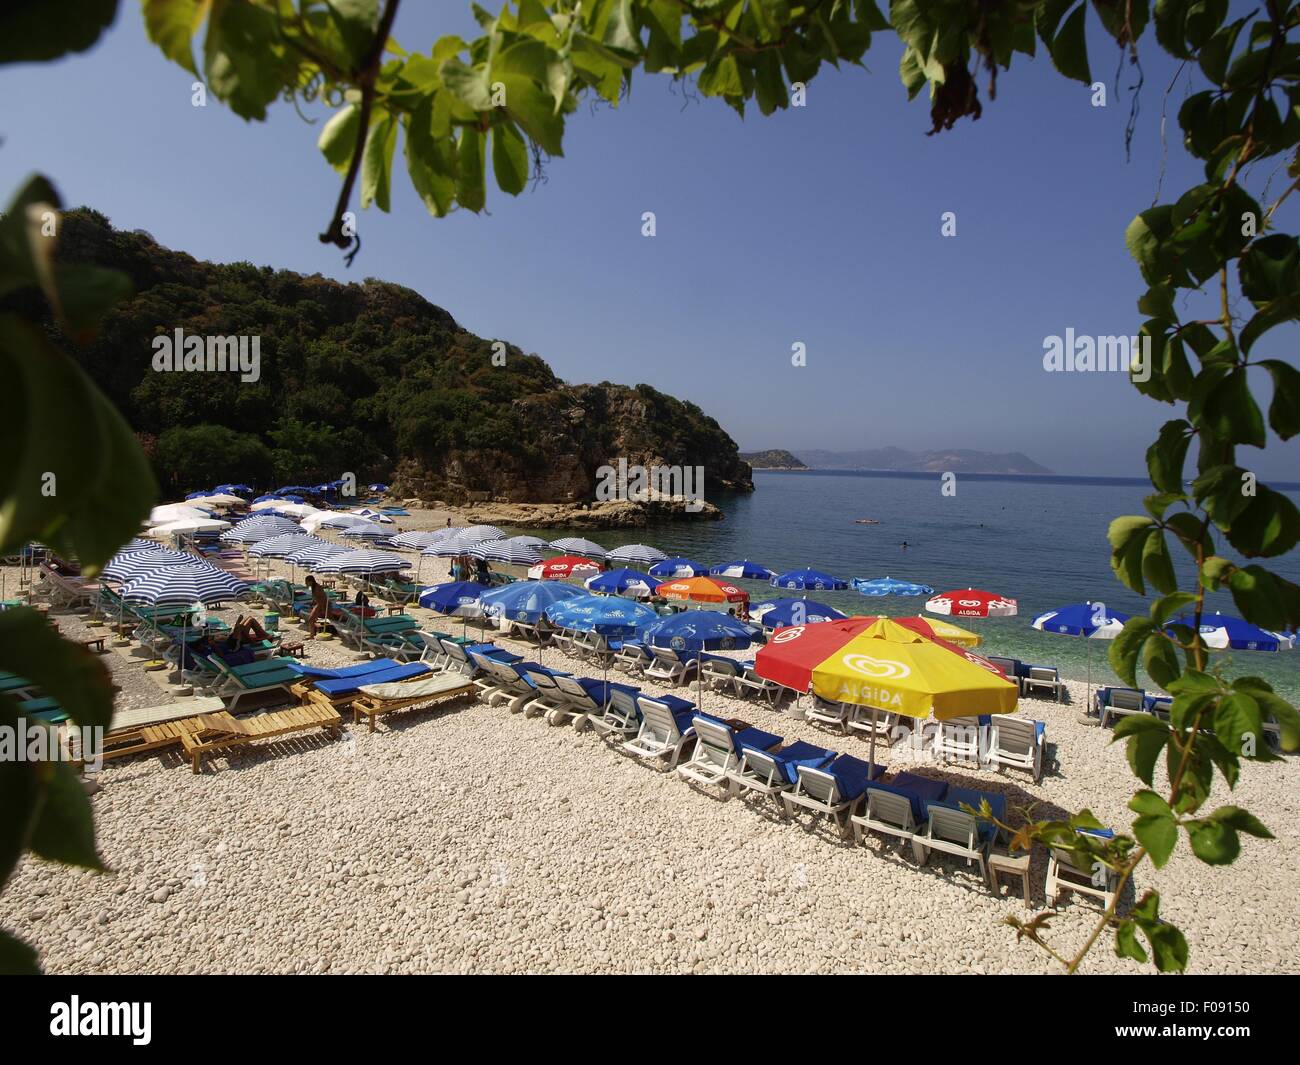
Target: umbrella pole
(1088,708)
(871,758)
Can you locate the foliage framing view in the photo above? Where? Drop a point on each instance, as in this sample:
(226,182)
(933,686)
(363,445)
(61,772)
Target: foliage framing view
(507,93)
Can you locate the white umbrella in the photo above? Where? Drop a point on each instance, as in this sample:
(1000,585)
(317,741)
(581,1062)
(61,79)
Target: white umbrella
(189,525)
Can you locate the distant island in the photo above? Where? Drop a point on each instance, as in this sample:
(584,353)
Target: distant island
(772,459)
(897,460)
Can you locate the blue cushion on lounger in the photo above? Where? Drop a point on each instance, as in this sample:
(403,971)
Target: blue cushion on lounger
(755,738)
(852,775)
(600,690)
(322,673)
(1101,833)
(918,790)
(674,702)
(972,798)
(802,753)
(347,685)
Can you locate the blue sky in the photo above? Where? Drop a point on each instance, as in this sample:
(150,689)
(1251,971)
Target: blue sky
(820,225)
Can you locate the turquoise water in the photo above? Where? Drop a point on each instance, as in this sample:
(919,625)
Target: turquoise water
(1040,540)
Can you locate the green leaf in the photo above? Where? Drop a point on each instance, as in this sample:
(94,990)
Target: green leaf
(1260,596)
(1268,525)
(1213,842)
(1157,567)
(338,140)
(1069,48)
(534,109)
(172,24)
(35,32)
(243,61)
(377,160)
(1160,660)
(1286,716)
(1158,833)
(1143,749)
(1126,942)
(1128,536)
(1236,717)
(1230,410)
(357,21)
(1166,456)
(20,793)
(470,190)
(431,160)
(1242,821)
(1125,647)
(471,85)
(16,957)
(65,830)
(1169,948)
(101,484)
(1284,411)
(509,158)
(67,673)
(1167,606)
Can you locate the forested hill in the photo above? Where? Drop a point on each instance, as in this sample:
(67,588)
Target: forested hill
(369,378)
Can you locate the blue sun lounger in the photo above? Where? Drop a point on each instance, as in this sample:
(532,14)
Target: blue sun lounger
(831,790)
(343,688)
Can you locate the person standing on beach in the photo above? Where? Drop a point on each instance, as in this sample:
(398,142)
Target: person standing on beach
(320,605)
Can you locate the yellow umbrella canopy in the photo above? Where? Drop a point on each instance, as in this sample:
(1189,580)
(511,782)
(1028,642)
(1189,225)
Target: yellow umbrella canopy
(900,671)
(945,630)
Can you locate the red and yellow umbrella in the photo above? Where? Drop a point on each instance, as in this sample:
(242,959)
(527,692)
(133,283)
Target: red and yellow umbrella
(564,566)
(702,590)
(932,627)
(972,603)
(887,666)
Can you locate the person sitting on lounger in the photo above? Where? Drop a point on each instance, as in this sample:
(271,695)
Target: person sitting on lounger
(320,605)
(246,630)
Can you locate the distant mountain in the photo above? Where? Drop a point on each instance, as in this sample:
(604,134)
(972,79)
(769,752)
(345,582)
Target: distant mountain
(895,459)
(772,459)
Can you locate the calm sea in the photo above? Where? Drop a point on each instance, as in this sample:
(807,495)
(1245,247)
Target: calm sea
(1041,540)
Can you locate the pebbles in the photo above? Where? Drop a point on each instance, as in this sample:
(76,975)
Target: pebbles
(471,840)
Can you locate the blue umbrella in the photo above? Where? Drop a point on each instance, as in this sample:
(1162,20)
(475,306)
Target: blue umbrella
(233,489)
(1222,631)
(525,601)
(669,568)
(809,580)
(743,568)
(200,495)
(698,630)
(1092,621)
(777,613)
(601,614)
(889,586)
(621,581)
(459,598)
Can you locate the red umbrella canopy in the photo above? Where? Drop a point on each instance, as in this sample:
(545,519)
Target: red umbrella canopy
(792,654)
(972,603)
(563,566)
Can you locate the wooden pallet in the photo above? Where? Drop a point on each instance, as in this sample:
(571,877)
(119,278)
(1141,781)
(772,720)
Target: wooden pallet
(372,707)
(223,731)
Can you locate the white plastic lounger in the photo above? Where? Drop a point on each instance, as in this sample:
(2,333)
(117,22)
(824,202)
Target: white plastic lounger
(659,736)
(1122,702)
(1016,743)
(720,674)
(549,699)
(889,815)
(958,738)
(830,792)
(826,712)
(718,750)
(1063,875)
(668,666)
(1041,678)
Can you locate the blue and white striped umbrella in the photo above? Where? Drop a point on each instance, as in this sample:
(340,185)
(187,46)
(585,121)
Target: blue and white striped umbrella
(371,531)
(285,545)
(635,555)
(416,541)
(129,566)
(262,527)
(889,586)
(743,568)
(361,562)
(670,568)
(183,585)
(524,601)
(313,553)
(464,541)
(516,551)
(343,521)
(622,582)
(576,545)
(809,580)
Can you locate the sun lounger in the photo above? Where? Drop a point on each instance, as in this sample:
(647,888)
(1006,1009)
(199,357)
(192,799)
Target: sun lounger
(549,699)
(235,682)
(1017,743)
(632,657)
(958,739)
(606,707)
(831,791)
(826,712)
(718,749)
(670,667)
(665,731)
(1011,668)
(897,808)
(1043,678)
(869,721)
(377,700)
(1063,874)
(503,683)
(339,692)
(224,732)
(749,682)
(952,830)
(719,673)
(1113,703)
(772,772)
